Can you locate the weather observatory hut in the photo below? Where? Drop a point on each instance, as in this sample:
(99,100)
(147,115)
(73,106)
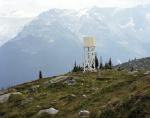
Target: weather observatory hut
(89,53)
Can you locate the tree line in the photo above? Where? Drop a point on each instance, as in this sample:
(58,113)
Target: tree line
(98,65)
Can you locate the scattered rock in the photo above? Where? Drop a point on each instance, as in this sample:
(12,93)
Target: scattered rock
(5,97)
(147,72)
(30,90)
(84,113)
(73,95)
(88,91)
(65,79)
(50,111)
(84,96)
(38,106)
(53,102)
(16,93)
(36,86)
(70,81)
(132,72)
(59,79)
(27,100)
(95,89)
(107,81)
(33,89)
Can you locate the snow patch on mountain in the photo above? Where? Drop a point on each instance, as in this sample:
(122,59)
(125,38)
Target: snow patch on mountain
(82,12)
(129,24)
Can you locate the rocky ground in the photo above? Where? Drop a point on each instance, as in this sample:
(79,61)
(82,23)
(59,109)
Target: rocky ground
(103,94)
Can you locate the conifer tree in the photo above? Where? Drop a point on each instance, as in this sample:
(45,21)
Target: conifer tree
(101,63)
(40,74)
(107,66)
(110,64)
(96,62)
(77,68)
(75,64)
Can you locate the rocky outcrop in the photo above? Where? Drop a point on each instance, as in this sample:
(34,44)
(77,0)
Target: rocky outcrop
(5,97)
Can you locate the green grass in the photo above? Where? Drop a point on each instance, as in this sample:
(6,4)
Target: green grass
(117,95)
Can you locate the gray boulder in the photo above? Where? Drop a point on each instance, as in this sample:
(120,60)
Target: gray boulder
(50,111)
(70,81)
(5,97)
(84,113)
(147,72)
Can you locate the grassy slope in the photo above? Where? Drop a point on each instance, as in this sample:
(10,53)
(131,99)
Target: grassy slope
(120,95)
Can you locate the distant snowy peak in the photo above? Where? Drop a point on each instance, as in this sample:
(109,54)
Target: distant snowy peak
(56,36)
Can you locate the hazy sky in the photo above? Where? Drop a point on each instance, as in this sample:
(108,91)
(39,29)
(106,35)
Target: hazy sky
(30,8)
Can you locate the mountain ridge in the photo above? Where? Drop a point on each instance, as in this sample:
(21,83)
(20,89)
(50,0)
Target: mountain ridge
(53,38)
(136,64)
